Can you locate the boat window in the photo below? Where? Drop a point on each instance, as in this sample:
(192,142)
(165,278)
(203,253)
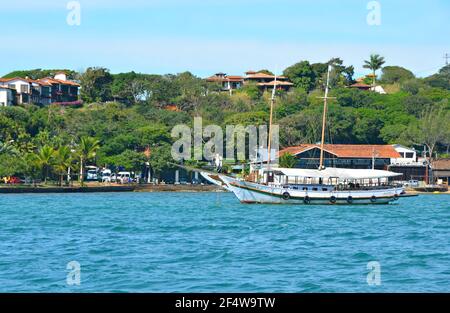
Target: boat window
(324,189)
(305,188)
(315,189)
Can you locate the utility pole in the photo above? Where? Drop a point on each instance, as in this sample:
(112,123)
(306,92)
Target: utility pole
(446,58)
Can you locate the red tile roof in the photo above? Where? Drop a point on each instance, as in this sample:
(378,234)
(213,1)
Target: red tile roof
(5,80)
(442,164)
(278,83)
(44,81)
(220,79)
(235,78)
(58,81)
(349,151)
(360,85)
(263,76)
(172,107)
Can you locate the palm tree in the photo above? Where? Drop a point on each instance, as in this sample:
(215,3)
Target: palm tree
(288,160)
(86,150)
(375,63)
(63,161)
(44,159)
(7,147)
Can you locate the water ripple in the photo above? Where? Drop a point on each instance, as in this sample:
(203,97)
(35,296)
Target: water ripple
(171,242)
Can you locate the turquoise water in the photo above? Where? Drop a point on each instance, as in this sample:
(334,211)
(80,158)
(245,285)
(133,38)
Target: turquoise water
(204,242)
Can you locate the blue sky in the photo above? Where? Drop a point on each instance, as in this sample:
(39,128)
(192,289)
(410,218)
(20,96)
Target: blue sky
(208,36)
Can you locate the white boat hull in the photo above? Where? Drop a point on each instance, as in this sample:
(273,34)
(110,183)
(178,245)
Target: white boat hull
(248,192)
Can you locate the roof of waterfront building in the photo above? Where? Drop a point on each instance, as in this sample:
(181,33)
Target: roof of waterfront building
(441,164)
(44,81)
(348,151)
(57,81)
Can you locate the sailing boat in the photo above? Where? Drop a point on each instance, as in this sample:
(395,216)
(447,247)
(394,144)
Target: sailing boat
(311,186)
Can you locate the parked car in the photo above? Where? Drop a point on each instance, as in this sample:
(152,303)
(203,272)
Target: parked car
(106,176)
(91,173)
(412,183)
(15,180)
(123,178)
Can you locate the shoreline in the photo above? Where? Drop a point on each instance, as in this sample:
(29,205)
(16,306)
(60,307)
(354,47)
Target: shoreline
(91,188)
(109,188)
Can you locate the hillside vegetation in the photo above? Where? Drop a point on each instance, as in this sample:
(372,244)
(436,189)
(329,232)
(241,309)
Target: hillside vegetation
(127,114)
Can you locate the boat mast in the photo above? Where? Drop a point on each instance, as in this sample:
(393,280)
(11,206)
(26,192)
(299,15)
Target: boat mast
(324,119)
(269,145)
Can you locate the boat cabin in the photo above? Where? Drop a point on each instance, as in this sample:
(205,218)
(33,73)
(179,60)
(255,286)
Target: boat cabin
(327,179)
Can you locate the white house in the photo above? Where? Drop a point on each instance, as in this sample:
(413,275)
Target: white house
(43,91)
(23,87)
(61,76)
(6,96)
(408,156)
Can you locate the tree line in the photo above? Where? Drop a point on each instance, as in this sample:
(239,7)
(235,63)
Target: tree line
(128,114)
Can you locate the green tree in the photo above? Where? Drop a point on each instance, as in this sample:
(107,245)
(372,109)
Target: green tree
(374,64)
(252,90)
(301,74)
(248,118)
(340,75)
(11,164)
(96,84)
(416,104)
(160,159)
(441,79)
(45,159)
(395,74)
(62,162)
(131,87)
(7,148)
(87,149)
(288,160)
(266,71)
(412,86)
(40,73)
(129,159)
(432,128)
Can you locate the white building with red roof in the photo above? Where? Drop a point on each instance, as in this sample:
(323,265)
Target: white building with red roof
(42,91)
(263,80)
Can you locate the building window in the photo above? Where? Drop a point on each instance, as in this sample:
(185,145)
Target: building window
(24,88)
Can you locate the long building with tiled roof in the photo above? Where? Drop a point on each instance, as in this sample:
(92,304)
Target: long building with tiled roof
(345,156)
(44,91)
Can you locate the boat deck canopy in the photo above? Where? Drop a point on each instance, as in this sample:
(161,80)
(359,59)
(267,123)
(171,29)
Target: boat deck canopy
(340,173)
